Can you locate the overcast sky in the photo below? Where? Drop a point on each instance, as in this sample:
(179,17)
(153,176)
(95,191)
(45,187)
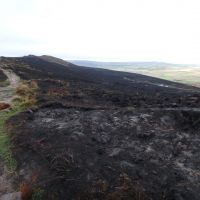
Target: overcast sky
(117,30)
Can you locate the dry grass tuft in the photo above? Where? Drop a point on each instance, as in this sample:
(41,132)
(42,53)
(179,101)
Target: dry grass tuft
(123,189)
(26,93)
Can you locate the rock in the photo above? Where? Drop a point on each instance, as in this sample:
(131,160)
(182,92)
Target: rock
(115,152)
(12,196)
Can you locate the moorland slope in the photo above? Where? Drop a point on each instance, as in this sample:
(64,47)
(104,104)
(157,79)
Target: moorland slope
(90,133)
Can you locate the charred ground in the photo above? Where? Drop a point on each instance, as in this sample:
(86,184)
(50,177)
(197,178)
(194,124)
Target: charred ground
(3,77)
(100,134)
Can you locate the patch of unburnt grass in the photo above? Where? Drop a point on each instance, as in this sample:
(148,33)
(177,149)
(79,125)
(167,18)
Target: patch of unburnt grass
(24,99)
(26,93)
(5,150)
(38,194)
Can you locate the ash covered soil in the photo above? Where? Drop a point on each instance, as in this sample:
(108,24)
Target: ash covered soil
(3,77)
(100,134)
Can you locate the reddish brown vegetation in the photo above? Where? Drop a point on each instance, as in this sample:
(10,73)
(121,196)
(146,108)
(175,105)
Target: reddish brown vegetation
(124,188)
(57,92)
(4,106)
(26,191)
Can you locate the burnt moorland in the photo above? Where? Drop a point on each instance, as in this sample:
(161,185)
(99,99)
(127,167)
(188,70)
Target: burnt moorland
(101,134)
(3,77)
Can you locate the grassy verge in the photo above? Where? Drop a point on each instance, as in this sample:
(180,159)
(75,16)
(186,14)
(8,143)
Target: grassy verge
(5,152)
(24,100)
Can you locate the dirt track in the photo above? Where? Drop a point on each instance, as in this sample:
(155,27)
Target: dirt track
(7,93)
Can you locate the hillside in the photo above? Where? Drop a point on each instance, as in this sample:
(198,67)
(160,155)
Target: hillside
(81,133)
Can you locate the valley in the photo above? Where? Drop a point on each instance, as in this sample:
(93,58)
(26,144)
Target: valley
(183,73)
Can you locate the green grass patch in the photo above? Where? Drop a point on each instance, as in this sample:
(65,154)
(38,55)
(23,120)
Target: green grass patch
(38,194)
(26,97)
(191,77)
(5,146)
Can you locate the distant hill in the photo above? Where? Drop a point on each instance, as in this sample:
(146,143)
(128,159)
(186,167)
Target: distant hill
(54,60)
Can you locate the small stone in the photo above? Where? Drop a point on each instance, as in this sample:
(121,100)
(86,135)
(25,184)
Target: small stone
(115,152)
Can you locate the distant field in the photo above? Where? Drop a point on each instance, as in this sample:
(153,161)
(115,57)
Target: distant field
(188,75)
(183,73)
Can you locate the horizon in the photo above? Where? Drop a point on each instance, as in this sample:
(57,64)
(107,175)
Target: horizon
(105,60)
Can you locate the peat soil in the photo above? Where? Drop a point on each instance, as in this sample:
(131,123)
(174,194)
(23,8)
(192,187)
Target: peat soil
(3,77)
(100,134)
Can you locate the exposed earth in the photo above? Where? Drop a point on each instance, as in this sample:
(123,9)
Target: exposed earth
(7,92)
(100,134)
